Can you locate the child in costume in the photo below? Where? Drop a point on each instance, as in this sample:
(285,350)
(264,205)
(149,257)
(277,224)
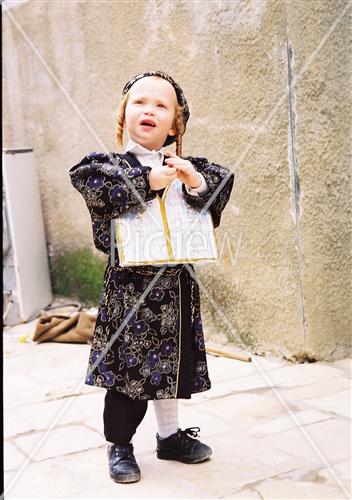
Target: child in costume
(148,341)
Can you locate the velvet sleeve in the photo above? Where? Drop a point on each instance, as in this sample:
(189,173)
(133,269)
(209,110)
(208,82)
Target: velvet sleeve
(109,186)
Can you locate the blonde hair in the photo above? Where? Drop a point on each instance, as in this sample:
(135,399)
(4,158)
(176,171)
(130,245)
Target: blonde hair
(178,124)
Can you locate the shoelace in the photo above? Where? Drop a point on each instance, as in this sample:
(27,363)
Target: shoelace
(192,431)
(188,437)
(123,451)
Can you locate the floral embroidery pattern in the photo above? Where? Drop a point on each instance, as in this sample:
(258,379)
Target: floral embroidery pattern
(143,348)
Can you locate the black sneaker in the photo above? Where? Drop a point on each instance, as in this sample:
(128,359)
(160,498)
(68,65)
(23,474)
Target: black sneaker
(183,446)
(123,467)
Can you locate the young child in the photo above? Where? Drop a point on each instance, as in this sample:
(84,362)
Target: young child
(148,341)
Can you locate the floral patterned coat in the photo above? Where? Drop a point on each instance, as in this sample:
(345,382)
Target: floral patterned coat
(156,351)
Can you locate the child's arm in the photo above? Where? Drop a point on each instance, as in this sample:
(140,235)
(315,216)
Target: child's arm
(218,182)
(160,178)
(101,179)
(214,175)
(109,184)
(186,172)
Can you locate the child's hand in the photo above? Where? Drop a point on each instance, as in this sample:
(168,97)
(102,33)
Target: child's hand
(160,178)
(184,169)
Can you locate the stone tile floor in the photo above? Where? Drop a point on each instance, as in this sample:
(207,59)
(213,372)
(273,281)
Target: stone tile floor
(278,430)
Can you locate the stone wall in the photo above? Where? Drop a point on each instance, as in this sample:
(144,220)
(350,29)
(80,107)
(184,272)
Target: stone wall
(268,84)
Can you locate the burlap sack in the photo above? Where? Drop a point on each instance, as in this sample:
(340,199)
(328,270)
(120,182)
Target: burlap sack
(78,328)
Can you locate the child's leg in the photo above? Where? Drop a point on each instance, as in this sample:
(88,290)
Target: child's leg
(172,442)
(122,416)
(166,411)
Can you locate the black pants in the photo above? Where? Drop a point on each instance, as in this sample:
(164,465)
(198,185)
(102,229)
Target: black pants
(122,416)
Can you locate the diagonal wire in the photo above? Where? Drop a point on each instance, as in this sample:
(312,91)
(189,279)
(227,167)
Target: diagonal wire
(212,198)
(270,383)
(111,157)
(241,158)
(78,389)
(138,196)
(284,95)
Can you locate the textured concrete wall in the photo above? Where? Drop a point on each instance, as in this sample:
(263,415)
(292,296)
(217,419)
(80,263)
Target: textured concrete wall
(321,107)
(268,87)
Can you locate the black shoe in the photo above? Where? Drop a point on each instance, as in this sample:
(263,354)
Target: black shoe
(123,467)
(183,446)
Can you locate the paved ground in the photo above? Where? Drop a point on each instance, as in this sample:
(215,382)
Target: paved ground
(277,430)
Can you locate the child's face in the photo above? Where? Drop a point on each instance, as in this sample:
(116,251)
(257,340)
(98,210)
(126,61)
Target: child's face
(154,100)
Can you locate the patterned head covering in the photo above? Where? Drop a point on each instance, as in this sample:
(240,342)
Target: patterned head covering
(179,94)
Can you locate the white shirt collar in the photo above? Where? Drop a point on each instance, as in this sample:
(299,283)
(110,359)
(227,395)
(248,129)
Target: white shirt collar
(154,159)
(134,147)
